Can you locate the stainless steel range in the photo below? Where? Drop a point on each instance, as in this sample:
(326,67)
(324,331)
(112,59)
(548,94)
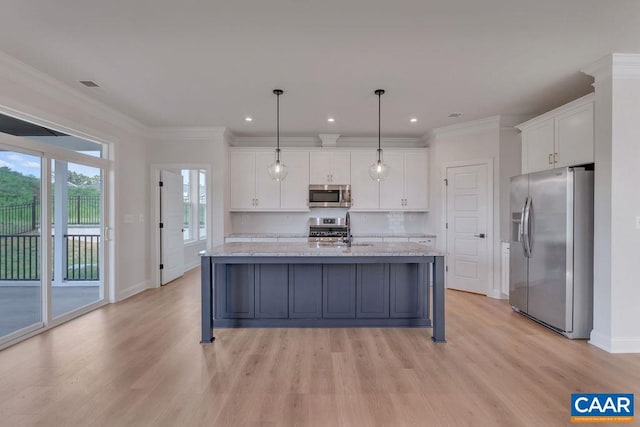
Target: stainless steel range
(328,230)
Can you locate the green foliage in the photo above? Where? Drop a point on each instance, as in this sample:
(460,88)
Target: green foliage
(16,188)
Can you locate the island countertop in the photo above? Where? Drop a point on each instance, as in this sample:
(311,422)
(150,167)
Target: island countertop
(280,249)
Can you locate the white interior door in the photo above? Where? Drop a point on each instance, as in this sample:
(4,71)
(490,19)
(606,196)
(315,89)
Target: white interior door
(467,243)
(171,218)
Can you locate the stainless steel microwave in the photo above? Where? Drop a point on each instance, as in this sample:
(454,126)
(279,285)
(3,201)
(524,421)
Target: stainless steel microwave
(329,196)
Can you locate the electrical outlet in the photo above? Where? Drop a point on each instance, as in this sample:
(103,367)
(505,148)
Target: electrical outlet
(128,218)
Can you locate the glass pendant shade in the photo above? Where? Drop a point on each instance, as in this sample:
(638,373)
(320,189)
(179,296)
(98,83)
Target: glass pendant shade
(277,170)
(379,170)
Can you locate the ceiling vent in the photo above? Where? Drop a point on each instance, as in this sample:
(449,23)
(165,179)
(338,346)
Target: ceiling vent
(89,83)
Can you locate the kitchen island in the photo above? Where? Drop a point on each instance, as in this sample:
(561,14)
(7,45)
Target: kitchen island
(311,285)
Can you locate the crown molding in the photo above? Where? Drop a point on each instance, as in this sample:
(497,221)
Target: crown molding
(616,66)
(387,142)
(549,114)
(17,72)
(316,141)
(198,133)
(488,123)
(270,141)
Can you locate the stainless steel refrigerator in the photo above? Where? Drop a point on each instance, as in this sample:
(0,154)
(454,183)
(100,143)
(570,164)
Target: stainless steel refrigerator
(551,251)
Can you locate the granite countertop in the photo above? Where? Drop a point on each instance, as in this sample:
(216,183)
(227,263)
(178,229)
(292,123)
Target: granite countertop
(305,235)
(314,249)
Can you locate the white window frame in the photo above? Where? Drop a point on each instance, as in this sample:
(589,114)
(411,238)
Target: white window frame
(194,201)
(47,154)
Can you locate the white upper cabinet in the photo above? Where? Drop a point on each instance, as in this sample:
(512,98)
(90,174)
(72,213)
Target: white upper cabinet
(537,147)
(405,188)
(267,190)
(251,188)
(295,187)
(365,192)
(329,167)
(242,180)
(415,177)
(559,138)
(392,188)
(574,136)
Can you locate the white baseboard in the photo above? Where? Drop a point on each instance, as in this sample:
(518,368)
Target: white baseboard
(132,290)
(191,266)
(495,293)
(615,345)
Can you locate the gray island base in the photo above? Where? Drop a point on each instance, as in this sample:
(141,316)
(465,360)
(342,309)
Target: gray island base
(307,285)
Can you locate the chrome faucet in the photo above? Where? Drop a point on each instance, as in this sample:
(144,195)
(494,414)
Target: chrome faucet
(347,222)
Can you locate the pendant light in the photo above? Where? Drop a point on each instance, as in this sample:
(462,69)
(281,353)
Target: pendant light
(277,170)
(379,170)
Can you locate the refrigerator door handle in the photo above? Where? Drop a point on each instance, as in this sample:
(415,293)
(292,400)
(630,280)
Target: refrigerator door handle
(527,228)
(522,226)
(530,225)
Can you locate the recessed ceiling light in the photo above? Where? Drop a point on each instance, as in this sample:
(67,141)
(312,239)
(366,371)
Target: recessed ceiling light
(331,120)
(413,119)
(89,83)
(453,115)
(248,119)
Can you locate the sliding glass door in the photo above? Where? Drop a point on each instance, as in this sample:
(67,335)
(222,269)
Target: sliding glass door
(20,242)
(52,250)
(76,231)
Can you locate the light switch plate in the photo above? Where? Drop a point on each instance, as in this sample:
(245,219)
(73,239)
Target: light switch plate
(128,218)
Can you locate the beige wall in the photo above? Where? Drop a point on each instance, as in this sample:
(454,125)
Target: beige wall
(616,318)
(486,141)
(34,96)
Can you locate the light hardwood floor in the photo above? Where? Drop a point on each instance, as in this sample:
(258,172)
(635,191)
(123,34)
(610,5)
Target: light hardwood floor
(139,363)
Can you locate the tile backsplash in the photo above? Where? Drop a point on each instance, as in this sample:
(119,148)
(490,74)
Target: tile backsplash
(392,223)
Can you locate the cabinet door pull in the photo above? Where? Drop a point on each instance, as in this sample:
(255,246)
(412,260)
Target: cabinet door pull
(257,202)
(555,157)
(550,158)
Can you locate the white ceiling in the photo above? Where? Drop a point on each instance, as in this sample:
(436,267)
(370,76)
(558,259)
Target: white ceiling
(211,63)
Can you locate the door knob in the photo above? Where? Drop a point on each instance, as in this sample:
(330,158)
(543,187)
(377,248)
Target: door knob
(481,235)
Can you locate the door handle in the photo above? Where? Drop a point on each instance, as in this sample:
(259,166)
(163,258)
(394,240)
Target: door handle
(521,226)
(526,239)
(481,235)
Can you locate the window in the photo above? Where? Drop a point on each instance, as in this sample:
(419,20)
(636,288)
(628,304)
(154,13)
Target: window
(202,201)
(194,192)
(186,198)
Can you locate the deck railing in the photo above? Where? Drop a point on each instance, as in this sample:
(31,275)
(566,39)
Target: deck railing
(25,217)
(20,257)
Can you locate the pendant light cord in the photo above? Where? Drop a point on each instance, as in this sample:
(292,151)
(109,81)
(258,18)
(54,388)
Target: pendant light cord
(278,92)
(379,120)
